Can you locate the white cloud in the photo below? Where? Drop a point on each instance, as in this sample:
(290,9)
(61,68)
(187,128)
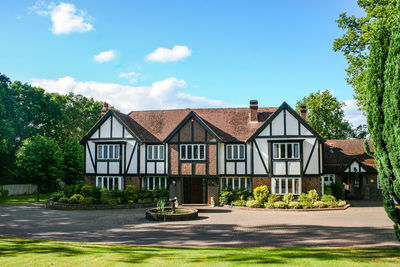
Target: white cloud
(162,54)
(131,76)
(352,114)
(104,56)
(165,94)
(64,16)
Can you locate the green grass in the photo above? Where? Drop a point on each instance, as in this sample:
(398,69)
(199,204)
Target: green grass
(24,198)
(25,252)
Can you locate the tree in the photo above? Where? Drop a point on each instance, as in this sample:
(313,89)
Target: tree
(73,157)
(40,159)
(326,115)
(355,42)
(383,113)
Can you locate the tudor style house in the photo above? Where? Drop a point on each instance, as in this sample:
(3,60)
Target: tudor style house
(196,152)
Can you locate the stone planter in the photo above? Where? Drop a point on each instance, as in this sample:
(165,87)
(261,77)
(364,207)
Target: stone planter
(192,214)
(65,206)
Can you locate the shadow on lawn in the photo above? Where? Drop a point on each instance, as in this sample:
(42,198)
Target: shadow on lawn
(10,247)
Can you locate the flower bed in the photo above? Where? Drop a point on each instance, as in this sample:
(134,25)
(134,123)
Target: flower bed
(313,209)
(66,206)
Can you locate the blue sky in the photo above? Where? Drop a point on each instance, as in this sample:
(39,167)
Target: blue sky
(178,54)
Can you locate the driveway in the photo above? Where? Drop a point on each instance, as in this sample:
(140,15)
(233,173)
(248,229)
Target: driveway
(354,227)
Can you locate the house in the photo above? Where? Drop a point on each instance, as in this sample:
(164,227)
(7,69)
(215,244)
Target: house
(196,152)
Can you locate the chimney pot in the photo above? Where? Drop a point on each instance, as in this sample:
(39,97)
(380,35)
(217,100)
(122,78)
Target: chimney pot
(104,109)
(303,111)
(253,110)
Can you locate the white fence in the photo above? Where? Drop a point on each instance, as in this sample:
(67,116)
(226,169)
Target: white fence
(20,189)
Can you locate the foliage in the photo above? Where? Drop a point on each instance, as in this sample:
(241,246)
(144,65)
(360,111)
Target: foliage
(303,198)
(307,205)
(269,205)
(294,205)
(327,190)
(225,196)
(341,203)
(147,201)
(288,197)
(88,201)
(114,201)
(69,191)
(312,195)
(118,194)
(253,204)
(272,198)
(332,204)
(86,190)
(328,198)
(104,195)
(280,205)
(56,196)
(383,112)
(131,192)
(144,193)
(319,204)
(355,42)
(75,199)
(242,194)
(239,203)
(63,200)
(3,192)
(325,114)
(40,159)
(161,206)
(73,160)
(261,193)
(338,190)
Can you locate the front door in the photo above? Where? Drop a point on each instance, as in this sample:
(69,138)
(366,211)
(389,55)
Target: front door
(193,190)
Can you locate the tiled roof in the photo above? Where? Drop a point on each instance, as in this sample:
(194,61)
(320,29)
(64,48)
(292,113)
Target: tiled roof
(344,152)
(230,124)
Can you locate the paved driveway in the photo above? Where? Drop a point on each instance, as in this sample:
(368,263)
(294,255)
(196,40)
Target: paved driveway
(356,226)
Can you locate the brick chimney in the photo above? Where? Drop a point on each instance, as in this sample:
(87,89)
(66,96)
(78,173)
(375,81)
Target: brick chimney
(303,111)
(104,109)
(253,111)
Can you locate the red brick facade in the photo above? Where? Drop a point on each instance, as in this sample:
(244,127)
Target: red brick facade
(90,180)
(212,191)
(309,183)
(259,181)
(132,180)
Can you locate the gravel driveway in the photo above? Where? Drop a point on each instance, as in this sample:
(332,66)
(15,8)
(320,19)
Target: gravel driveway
(356,226)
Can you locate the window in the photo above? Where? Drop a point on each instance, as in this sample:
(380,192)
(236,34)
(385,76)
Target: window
(235,152)
(328,179)
(236,183)
(109,182)
(155,152)
(286,151)
(281,186)
(107,151)
(150,183)
(193,152)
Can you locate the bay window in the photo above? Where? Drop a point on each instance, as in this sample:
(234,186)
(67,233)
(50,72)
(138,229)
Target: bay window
(281,186)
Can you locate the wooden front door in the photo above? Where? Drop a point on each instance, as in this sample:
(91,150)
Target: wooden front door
(193,190)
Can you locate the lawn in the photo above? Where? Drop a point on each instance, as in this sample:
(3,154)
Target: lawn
(24,198)
(26,252)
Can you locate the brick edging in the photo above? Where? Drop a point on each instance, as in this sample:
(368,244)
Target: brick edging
(65,206)
(301,210)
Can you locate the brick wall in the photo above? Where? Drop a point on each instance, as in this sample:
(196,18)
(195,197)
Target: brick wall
(173,164)
(90,180)
(309,183)
(212,159)
(132,180)
(212,190)
(259,181)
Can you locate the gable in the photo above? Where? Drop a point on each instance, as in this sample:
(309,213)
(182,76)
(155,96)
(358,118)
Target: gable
(355,166)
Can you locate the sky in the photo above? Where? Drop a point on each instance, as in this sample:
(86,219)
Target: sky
(140,55)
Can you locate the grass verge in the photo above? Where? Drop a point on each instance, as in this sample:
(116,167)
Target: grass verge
(26,252)
(24,198)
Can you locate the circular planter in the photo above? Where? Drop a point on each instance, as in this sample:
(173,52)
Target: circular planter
(185,215)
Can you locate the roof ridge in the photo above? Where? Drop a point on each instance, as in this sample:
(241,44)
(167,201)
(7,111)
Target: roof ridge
(191,109)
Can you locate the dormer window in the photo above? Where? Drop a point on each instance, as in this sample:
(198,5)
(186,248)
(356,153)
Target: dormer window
(235,152)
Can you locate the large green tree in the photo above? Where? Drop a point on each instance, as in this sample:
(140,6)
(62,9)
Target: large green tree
(73,160)
(326,115)
(40,161)
(355,41)
(383,112)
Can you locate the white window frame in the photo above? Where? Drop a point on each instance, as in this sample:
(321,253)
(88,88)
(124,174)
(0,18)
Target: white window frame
(184,152)
(285,190)
(236,183)
(160,152)
(331,179)
(149,182)
(235,156)
(278,146)
(115,147)
(101,179)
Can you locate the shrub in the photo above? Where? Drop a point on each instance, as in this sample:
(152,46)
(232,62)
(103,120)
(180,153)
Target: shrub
(273,198)
(140,201)
(69,191)
(261,193)
(114,201)
(104,195)
(116,193)
(269,205)
(306,205)
(63,200)
(328,198)
(288,198)
(225,196)
(319,204)
(166,199)
(86,190)
(240,194)
(303,198)
(144,193)
(75,199)
(312,195)
(88,201)
(239,203)
(3,192)
(253,204)
(341,203)
(163,193)
(56,196)
(96,192)
(280,205)
(338,190)
(147,201)
(332,204)
(131,192)
(294,205)
(327,190)
(155,200)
